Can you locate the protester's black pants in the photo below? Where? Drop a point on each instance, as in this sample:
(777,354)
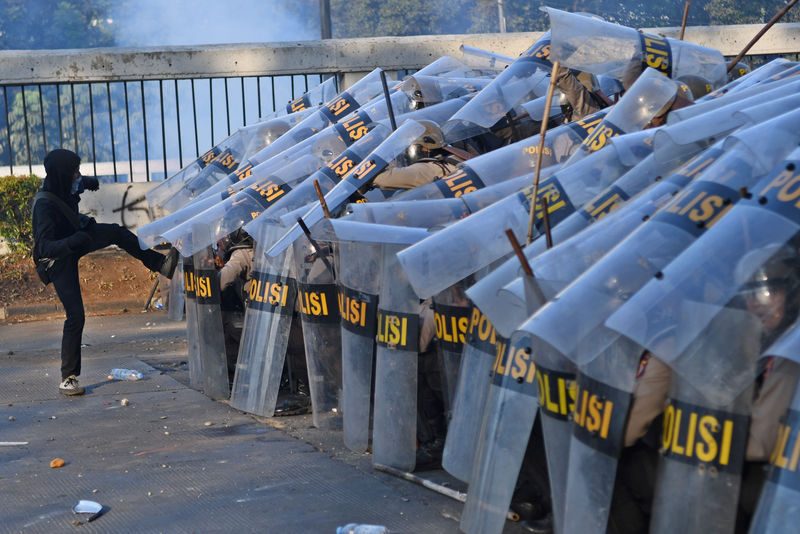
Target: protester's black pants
(67,285)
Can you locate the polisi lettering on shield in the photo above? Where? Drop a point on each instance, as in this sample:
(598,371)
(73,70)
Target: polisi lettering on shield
(357,311)
(697,435)
(459,182)
(539,52)
(298,104)
(452,323)
(226,161)
(786,455)
(341,106)
(353,128)
(604,203)
(206,286)
(557,393)
(780,192)
(481,333)
(699,206)
(514,367)
(273,293)
(189,281)
(600,414)
(245,171)
(340,166)
(558,203)
(656,53)
(600,135)
(318,302)
(397,330)
(586,126)
(208,157)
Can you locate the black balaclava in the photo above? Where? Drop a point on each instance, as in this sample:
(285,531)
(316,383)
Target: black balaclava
(60,165)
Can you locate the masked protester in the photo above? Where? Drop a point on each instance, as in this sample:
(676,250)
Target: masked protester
(61,236)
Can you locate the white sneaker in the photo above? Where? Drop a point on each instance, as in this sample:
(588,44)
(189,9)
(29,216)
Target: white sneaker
(69,386)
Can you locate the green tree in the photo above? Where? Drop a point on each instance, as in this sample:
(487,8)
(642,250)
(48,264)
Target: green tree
(35,25)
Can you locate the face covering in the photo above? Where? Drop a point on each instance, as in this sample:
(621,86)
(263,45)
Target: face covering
(76,184)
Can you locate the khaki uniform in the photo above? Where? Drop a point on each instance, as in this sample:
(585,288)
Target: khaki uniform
(773,399)
(238,266)
(415,175)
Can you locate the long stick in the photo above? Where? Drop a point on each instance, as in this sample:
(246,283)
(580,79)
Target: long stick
(392,120)
(546,219)
(322,202)
(459,496)
(545,119)
(150,296)
(683,23)
(755,39)
(523,260)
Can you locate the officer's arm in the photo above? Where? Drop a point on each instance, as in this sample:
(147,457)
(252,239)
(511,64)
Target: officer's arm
(414,175)
(576,94)
(649,398)
(236,265)
(769,406)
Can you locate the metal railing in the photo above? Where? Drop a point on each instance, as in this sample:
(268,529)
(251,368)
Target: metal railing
(142,114)
(134,130)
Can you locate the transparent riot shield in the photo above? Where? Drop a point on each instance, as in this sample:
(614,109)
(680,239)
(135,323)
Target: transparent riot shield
(523,80)
(600,291)
(177,297)
(394,435)
(470,394)
(235,211)
(211,340)
(471,244)
(485,58)
(228,161)
(428,90)
(316,96)
(674,138)
(192,336)
(600,47)
(265,335)
(451,312)
(319,312)
(704,106)
(778,509)
(358,270)
(357,178)
(774,70)
(578,247)
(704,434)
(648,97)
(507,424)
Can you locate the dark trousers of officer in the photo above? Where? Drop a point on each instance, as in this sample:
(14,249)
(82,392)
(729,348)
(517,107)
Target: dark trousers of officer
(67,285)
(431,424)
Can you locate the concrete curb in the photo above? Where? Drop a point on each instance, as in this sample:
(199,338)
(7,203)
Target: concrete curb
(11,313)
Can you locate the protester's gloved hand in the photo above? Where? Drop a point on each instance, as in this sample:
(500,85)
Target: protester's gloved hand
(91,183)
(78,241)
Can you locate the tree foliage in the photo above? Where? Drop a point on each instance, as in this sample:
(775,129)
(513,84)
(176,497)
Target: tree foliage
(16,196)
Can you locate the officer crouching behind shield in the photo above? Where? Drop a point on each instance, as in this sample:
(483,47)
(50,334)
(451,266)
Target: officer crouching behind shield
(772,295)
(235,276)
(62,236)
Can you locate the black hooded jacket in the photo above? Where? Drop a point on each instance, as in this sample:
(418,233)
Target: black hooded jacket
(54,235)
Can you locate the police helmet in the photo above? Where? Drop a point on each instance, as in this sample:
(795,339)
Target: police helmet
(739,70)
(275,130)
(762,272)
(698,85)
(426,144)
